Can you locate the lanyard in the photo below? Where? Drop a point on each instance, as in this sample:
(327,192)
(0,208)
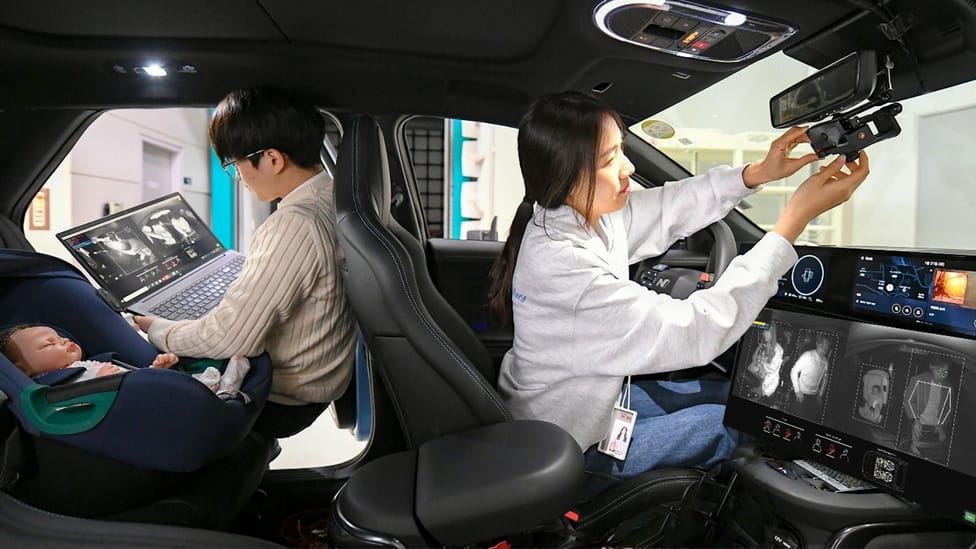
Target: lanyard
(625,395)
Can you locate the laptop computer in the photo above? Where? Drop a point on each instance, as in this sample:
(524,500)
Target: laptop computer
(158,258)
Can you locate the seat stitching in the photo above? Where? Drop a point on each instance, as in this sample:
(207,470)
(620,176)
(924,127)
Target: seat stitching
(616,502)
(413,303)
(643,487)
(630,494)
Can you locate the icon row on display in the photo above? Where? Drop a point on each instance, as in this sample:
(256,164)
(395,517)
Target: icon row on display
(907,310)
(785,431)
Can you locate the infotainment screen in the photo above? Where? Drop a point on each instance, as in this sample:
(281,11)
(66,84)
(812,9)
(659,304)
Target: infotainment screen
(926,290)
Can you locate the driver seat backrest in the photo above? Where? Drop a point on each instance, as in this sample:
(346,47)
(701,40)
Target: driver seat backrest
(439,377)
(470,472)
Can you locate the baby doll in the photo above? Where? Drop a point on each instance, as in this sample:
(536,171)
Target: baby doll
(37,350)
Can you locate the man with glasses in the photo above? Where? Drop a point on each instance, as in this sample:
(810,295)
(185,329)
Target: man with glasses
(289,298)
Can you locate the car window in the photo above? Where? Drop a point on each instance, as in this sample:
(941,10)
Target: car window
(467,176)
(123,158)
(126,157)
(910,199)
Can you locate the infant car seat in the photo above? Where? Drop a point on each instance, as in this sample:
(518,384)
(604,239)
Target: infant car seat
(143,431)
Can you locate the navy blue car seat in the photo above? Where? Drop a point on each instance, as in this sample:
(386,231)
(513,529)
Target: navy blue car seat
(147,432)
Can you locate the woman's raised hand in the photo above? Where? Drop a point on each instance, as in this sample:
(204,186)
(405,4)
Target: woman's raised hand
(829,187)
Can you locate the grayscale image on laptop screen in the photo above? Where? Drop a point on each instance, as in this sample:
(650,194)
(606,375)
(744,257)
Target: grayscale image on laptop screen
(142,249)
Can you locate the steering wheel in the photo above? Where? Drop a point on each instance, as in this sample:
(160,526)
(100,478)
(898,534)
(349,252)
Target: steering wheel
(680,282)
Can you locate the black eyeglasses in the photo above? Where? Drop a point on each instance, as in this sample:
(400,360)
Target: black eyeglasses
(231,166)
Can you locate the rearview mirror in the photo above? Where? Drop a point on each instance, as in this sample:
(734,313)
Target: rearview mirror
(835,87)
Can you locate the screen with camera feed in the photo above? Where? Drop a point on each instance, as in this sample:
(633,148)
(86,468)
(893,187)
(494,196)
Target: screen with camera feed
(836,372)
(141,249)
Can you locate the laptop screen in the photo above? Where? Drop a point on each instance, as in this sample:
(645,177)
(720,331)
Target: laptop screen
(142,249)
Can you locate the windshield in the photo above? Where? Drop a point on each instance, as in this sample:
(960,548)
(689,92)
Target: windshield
(919,193)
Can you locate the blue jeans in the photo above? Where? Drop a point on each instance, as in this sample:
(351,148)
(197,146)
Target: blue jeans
(679,424)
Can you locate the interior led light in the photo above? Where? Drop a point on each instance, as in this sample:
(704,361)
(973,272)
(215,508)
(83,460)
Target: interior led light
(734,19)
(154,70)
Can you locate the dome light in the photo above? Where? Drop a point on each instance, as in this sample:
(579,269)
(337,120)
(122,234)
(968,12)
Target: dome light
(154,70)
(734,19)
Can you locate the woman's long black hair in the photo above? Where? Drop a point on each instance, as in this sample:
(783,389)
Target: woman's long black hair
(557,145)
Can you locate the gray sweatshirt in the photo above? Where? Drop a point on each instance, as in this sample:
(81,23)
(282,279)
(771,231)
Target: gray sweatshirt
(581,324)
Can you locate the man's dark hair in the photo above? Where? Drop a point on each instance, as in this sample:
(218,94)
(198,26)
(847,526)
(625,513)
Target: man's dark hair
(252,119)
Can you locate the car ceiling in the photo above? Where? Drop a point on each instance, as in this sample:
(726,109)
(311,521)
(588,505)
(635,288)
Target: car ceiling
(472,60)
(479,60)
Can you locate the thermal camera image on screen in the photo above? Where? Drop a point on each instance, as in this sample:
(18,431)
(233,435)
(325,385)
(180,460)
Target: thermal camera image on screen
(115,248)
(905,390)
(768,345)
(929,406)
(788,368)
(169,227)
(954,287)
(809,374)
(874,389)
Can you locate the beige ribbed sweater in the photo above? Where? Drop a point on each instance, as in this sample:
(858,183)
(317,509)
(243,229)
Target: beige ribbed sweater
(288,300)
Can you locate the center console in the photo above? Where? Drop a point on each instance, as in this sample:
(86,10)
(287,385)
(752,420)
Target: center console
(863,369)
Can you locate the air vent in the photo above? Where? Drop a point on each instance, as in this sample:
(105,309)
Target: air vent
(689,30)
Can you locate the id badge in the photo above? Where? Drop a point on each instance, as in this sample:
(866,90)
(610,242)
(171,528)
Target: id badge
(617,441)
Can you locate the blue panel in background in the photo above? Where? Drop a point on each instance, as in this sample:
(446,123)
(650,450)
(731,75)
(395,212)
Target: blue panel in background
(222,203)
(457,178)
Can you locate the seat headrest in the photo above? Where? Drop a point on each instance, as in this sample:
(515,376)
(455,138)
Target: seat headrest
(370,170)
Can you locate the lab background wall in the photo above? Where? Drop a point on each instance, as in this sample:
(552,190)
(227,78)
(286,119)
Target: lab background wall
(105,169)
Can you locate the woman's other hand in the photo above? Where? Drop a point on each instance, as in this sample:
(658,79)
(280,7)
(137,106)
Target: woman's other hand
(778,163)
(829,187)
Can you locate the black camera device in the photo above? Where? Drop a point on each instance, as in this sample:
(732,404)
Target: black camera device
(843,84)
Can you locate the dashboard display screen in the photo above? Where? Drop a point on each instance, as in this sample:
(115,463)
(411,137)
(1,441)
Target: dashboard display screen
(865,361)
(923,290)
(889,405)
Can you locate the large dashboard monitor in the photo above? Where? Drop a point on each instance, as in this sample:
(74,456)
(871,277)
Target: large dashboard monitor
(866,361)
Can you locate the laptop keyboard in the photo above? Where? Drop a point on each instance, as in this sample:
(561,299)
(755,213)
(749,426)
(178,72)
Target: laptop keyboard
(196,300)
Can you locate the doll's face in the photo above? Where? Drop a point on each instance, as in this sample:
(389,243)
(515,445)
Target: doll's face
(40,349)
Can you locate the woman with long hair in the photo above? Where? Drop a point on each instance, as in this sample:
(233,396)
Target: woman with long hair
(582,327)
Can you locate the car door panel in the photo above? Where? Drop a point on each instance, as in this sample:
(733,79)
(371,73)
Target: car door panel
(459,269)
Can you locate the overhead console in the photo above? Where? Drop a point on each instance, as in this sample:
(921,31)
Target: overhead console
(865,361)
(686,29)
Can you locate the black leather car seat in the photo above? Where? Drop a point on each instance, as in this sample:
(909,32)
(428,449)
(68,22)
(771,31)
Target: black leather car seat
(471,473)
